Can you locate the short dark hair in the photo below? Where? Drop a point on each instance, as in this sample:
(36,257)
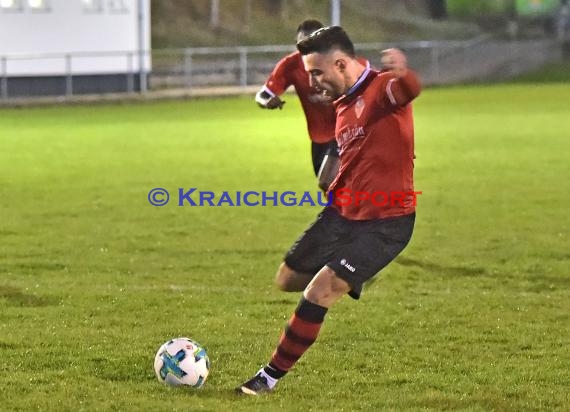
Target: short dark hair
(309,26)
(326,39)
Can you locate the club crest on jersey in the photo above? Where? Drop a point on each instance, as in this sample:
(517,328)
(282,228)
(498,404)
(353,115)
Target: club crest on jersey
(359,106)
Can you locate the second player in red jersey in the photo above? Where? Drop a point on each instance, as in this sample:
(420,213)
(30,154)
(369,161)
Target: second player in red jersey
(317,106)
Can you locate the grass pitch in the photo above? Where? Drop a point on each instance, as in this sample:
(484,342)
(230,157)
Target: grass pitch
(93,279)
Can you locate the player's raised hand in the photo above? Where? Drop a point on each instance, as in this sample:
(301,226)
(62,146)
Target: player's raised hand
(274,103)
(268,101)
(394,60)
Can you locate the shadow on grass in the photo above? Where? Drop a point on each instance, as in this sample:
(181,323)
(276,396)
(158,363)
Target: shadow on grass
(445,270)
(27,267)
(533,279)
(16,297)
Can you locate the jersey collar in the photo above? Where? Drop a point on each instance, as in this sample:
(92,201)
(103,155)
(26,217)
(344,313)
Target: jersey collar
(362,77)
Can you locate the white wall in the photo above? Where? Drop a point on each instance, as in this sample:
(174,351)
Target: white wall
(98,42)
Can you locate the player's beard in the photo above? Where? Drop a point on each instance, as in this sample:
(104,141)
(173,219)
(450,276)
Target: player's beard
(328,92)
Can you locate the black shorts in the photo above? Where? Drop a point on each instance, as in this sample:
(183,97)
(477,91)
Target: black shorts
(355,249)
(320,150)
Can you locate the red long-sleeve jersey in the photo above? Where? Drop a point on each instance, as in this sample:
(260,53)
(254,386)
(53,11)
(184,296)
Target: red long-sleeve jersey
(375,134)
(320,116)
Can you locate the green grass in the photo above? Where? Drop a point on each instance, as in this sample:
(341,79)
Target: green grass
(473,316)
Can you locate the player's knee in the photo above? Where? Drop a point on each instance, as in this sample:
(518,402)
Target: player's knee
(284,278)
(282,283)
(288,280)
(326,288)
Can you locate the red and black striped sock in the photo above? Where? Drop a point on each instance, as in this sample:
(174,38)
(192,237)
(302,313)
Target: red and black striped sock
(301,332)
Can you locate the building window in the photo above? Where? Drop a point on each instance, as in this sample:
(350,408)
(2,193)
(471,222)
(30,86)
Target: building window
(118,6)
(39,5)
(10,5)
(92,6)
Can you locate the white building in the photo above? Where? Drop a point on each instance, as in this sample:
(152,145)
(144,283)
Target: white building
(73,46)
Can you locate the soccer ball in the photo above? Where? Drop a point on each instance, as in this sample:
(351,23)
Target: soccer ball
(182,361)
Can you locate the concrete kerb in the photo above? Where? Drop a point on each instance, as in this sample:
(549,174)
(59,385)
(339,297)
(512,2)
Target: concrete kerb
(151,95)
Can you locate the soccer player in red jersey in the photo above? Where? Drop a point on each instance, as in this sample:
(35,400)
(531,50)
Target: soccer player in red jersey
(349,243)
(317,105)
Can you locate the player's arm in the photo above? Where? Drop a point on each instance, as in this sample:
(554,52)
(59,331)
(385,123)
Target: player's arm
(405,86)
(266,99)
(279,80)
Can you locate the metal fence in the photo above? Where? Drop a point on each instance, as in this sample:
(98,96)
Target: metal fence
(438,62)
(243,66)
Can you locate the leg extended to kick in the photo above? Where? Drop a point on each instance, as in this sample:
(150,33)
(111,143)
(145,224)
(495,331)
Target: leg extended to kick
(301,331)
